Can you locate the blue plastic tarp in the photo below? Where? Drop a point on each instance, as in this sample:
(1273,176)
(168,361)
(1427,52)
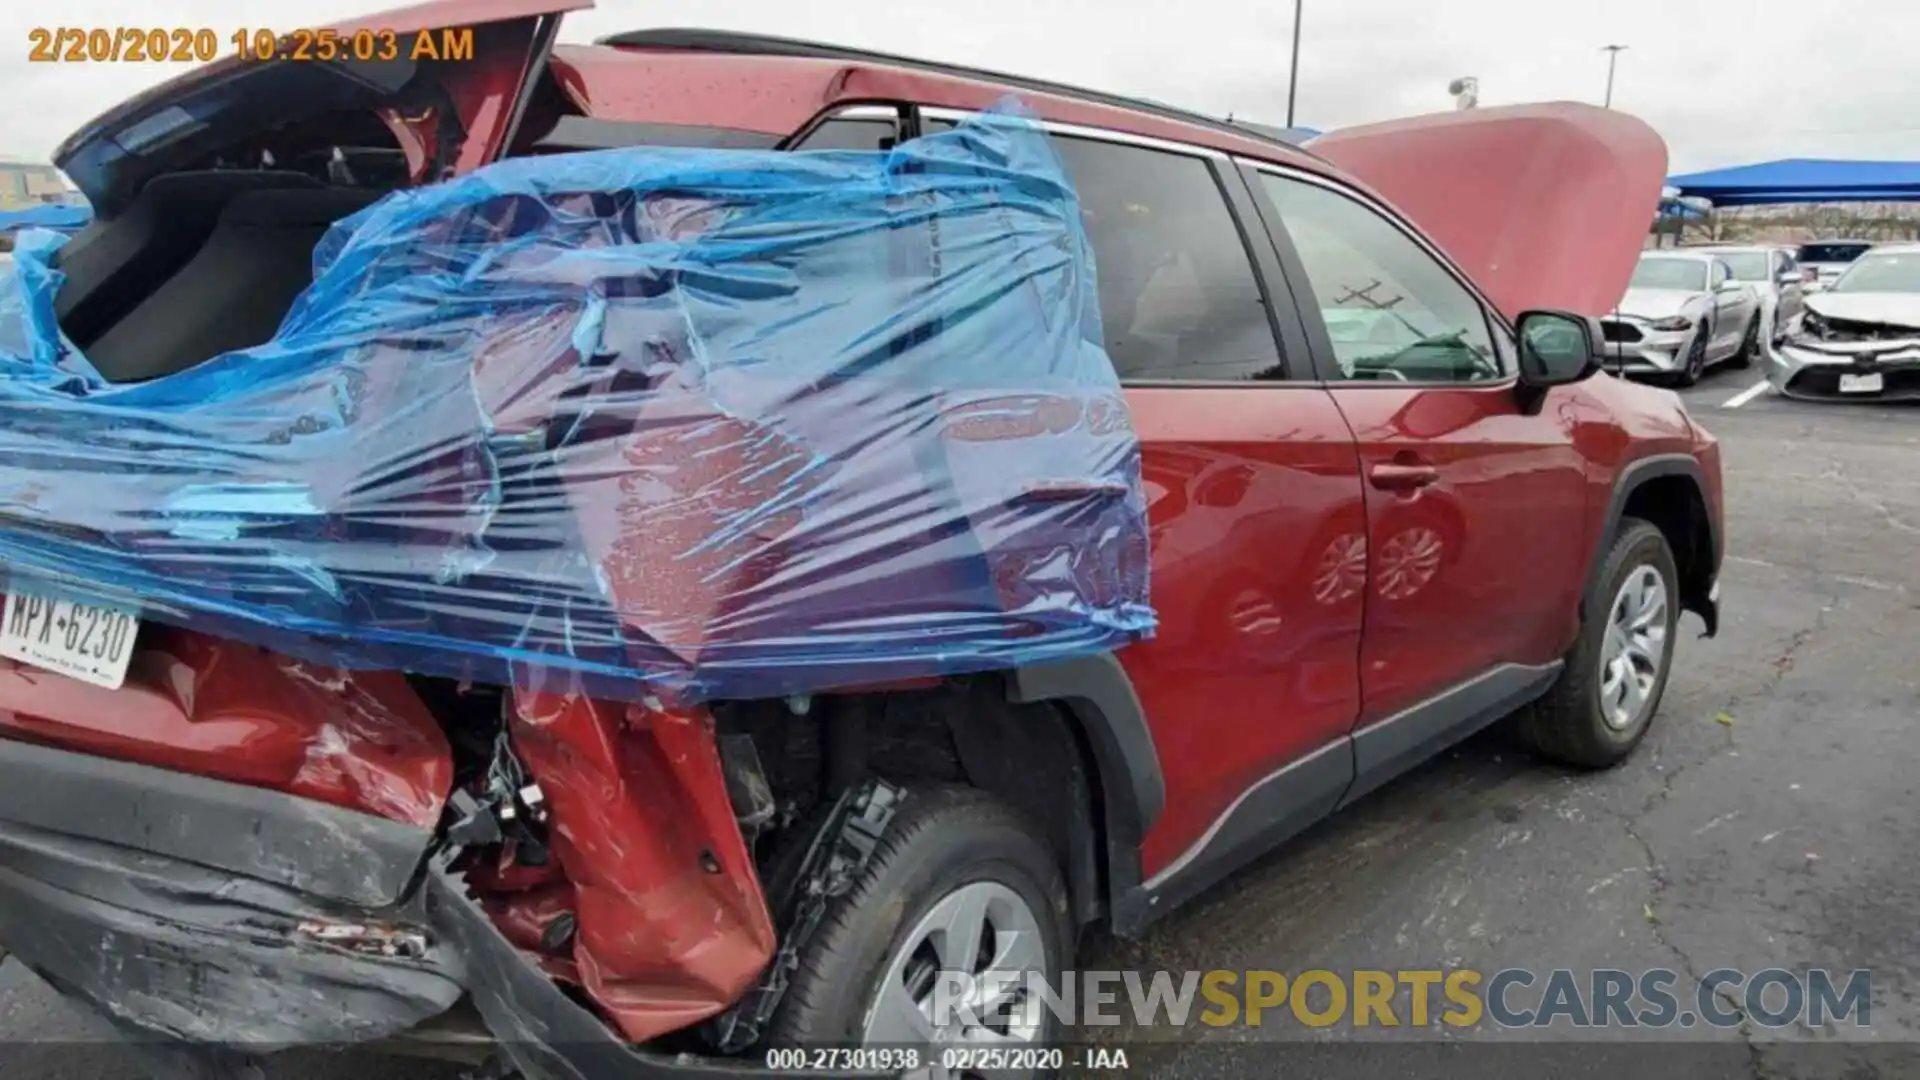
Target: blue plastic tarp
(1798,180)
(687,423)
(61,217)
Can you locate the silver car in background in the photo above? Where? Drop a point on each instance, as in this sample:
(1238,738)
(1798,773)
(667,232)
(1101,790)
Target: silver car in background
(1682,313)
(1776,276)
(1858,339)
(1828,259)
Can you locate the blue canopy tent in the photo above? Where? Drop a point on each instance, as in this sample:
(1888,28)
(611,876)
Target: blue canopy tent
(62,217)
(1803,180)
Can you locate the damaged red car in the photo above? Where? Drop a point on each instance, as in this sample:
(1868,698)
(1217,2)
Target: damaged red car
(1390,494)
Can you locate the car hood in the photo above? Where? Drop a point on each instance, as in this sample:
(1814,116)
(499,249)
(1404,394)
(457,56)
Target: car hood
(1894,309)
(1544,206)
(1655,303)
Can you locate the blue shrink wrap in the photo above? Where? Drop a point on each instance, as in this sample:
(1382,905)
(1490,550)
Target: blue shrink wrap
(681,423)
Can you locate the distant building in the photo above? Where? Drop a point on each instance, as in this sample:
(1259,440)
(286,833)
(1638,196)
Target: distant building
(34,183)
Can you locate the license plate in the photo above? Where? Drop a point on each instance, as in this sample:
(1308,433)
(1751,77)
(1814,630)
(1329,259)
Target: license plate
(1863,384)
(90,642)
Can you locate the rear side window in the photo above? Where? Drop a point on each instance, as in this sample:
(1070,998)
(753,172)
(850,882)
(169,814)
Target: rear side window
(862,133)
(1178,297)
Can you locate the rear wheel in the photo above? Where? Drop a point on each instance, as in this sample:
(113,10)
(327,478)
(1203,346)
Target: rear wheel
(1749,345)
(1607,695)
(960,888)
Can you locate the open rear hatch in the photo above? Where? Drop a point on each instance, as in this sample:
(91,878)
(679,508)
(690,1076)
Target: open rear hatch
(211,190)
(451,77)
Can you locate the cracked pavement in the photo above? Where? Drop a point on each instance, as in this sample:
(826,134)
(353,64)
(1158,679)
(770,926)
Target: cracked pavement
(1768,821)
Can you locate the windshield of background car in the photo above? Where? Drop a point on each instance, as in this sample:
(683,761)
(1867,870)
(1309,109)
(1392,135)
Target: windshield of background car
(1746,265)
(1690,274)
(1832,253)
(1882,273)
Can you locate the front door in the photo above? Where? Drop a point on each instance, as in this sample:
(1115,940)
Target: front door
(1475,505)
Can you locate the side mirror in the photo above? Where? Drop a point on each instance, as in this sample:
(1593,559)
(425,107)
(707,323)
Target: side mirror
(1791,278)
(1729,285)
(1558,347)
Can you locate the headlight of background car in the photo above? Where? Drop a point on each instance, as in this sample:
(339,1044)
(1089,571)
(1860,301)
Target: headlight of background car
(1672,322)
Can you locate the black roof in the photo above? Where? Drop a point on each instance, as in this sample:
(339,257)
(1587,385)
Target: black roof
(739,44)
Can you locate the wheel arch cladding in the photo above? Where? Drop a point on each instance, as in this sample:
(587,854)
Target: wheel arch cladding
(1124,788)
(1666,492)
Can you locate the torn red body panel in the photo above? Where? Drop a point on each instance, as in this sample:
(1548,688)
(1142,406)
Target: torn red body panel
(671,923)
(1544,206)
(196,704)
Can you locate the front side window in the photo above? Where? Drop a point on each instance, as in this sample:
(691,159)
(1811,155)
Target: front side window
(1686,274)
(1393,311)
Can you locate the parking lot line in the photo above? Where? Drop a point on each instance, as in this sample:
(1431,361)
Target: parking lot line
(1746,395)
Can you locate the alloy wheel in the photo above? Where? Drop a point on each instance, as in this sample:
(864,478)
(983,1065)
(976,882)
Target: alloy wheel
(1634,648)
(985,934)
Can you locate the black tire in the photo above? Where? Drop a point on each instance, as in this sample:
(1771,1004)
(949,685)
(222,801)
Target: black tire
(1567,725)
(941,838)
(1749,345)
(1696,364)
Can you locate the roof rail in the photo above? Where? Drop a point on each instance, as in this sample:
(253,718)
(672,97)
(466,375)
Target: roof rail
(727,41)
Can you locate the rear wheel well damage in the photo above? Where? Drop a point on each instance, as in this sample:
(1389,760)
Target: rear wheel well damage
(1672,501)
(1031,755)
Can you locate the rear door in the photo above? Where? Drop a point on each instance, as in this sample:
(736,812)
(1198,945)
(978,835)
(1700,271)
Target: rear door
(1251,683)
(1475,504)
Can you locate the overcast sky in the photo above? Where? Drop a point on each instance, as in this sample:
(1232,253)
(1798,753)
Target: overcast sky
(1725,81)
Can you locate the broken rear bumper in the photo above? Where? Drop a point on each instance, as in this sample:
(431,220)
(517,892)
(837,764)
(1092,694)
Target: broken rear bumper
(216,913)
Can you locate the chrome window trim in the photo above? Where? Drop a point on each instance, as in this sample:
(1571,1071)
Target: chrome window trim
(861,112)
(1077,131)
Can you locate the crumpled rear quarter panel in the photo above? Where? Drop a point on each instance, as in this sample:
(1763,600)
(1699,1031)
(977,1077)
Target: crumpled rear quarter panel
(195,704)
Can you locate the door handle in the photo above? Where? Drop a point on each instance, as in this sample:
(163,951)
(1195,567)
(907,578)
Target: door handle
(1390,477)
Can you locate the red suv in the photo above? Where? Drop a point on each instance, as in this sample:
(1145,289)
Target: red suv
(1391,500)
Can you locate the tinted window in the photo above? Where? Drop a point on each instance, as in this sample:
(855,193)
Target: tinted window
(1832,253)
(1393,311)
(862,134)
(1177,293)
(1688,274)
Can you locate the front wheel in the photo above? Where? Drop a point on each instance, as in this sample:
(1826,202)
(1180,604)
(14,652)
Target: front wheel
(1696,363)
(1749,345)
(1606,697)
(961,902)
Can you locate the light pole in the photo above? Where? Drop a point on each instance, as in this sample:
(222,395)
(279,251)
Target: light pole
(1293,70)
(1613,54)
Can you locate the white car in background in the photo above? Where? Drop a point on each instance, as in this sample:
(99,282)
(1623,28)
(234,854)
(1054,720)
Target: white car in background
(1828,259)
(1683,312)
(1776,276)
(1859,338)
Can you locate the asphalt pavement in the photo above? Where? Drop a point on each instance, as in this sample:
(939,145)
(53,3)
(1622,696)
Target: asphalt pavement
(1768,821)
